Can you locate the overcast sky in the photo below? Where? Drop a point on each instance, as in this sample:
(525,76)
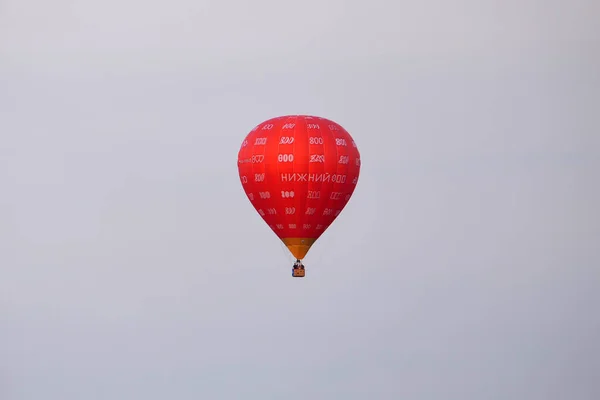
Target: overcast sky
(465,266)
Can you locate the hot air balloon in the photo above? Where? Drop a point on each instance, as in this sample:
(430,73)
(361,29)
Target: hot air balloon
(299,172)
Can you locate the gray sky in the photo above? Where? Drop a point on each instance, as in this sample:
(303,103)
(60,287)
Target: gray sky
(464,267)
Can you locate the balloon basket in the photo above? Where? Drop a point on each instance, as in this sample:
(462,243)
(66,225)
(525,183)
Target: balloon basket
(298,273)
(298,270)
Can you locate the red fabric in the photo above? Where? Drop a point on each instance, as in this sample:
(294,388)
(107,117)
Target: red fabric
(302,197)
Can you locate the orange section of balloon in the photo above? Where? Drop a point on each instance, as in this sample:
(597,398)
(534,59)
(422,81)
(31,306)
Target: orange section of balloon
(299,172)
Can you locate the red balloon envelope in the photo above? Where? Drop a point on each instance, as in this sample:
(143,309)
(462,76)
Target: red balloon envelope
(299,172)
